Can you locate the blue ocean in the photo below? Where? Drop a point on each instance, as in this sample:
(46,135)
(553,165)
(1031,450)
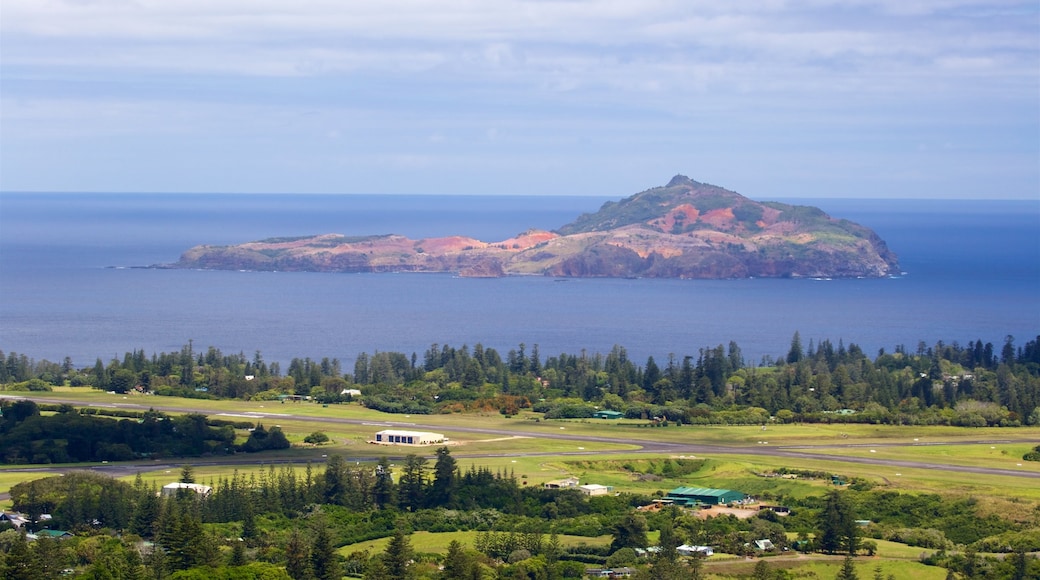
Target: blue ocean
(70,286)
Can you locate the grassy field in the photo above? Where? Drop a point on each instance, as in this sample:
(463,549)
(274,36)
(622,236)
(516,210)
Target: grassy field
(998,454)
(529,423)
(738,470)
(524,452)
(437,542)
(816,566)
(897,559)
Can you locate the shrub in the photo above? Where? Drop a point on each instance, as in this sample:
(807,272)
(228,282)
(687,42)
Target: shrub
(316,438)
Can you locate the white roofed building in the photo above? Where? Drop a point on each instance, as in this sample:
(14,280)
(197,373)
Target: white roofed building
(399,437)
(595,489)
(171,489)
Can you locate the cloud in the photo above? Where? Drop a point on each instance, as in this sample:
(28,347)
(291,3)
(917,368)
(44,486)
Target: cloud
(555,77)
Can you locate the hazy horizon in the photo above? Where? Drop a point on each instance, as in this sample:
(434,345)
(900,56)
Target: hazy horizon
(534,195)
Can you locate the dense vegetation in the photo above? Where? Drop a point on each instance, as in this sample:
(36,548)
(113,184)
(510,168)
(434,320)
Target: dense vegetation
(287,523)
(949,384)
(68,435)
(284,522)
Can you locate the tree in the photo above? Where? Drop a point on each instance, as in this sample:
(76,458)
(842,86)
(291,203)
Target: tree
(762,571)
(323,559)
(869,547)
(665,565)
(187,544)
(297,556)
(412,485)
(335,488)
(623,557)
(262,439)
(445,481)
(1020,565)
(238,554)
(629,532)
(122,381)
(457,564)
(19,563)
(187,474)
(552,552)
(155,562)
(146,512)
(397,559)
(837,525)
(383,489)
(848,570)
(375,569)
(795,353)
(250,531)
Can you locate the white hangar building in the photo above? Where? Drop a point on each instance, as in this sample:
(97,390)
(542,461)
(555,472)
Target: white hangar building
(398,437)
(171,489)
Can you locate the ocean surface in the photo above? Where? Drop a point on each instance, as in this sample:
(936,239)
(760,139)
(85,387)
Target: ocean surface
(69,285)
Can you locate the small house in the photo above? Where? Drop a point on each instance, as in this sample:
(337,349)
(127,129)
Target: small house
(592,489)
(561,483)
(764,545)
(608,415)
(619,572)
(688,550)
(15,519)
(56,534)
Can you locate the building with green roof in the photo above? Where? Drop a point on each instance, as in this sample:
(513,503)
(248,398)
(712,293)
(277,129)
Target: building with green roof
(691,496)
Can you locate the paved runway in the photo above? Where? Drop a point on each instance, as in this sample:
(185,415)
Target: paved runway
(645,446)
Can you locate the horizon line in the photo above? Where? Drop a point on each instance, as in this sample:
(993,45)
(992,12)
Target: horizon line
(402,194)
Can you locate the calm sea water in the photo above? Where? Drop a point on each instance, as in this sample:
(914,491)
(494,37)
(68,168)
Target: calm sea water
(973,271)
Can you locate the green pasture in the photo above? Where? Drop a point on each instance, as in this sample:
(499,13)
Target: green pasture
(816,566)
(793,433)
(896,551)
(529,423)
(437,542)
(984,487)
(745,473)
(895,559)
(997,455)
(534,460)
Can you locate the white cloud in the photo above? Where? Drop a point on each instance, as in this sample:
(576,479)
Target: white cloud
(554,77)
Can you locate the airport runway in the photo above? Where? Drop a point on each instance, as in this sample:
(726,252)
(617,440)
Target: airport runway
(645,447)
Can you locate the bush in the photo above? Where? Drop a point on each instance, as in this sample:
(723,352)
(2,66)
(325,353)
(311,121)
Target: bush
(316,438)
(262,440)
(622,557)
(1033,455)
(571,569)
(571,412)
(1024,541)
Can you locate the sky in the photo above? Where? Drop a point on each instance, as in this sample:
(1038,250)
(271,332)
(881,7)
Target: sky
(770,98)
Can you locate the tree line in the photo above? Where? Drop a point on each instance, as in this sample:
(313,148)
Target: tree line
(975,384)
(69,435)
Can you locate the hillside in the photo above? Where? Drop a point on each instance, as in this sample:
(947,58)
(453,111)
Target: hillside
(684,229)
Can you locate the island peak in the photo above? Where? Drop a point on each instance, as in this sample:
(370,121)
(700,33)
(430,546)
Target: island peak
(685,229)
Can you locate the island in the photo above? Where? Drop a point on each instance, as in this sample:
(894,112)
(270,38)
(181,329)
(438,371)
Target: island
(684,229)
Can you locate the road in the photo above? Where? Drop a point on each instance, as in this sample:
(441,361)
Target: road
(646,447)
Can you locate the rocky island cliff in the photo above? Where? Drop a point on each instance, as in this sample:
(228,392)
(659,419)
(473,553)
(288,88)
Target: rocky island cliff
(684,229)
